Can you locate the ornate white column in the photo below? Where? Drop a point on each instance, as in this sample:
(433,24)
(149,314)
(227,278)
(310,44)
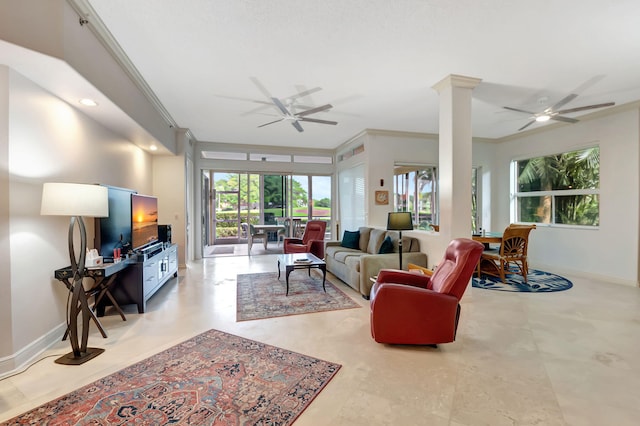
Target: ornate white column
(455,157)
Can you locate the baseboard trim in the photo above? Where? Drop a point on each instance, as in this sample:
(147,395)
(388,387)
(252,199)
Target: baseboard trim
(11,364)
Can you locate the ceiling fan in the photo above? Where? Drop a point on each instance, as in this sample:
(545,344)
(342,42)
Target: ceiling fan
(289,113)
(295,117)
(554,113)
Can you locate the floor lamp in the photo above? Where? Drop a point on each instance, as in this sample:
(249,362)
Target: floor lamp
(76,200)
(399,221)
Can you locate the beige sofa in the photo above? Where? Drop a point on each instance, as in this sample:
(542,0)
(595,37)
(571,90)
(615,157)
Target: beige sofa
(356,266)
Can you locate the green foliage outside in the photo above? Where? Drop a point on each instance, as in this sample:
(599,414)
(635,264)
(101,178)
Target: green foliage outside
(248,187)
(560,172)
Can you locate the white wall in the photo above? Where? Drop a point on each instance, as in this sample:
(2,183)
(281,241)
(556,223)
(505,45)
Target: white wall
(5,252)
(384,150)
(610,251)
(49,141)
(169,185)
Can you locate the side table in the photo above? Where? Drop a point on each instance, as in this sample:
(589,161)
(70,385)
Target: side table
(103,277)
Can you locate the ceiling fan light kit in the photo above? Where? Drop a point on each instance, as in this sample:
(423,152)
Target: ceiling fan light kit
(554,113)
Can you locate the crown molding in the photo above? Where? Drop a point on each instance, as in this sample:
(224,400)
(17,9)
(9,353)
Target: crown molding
(90,18)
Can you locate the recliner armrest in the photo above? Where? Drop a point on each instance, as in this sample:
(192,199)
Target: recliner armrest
(397,276)
(291,240)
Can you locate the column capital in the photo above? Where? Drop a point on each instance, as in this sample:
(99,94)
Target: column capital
(453,80)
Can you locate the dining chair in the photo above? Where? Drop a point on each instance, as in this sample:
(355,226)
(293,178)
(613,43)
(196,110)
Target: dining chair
(511,257)
(284,232)
(255,235)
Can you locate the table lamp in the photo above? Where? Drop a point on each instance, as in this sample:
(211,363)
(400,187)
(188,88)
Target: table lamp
(76,200)
(399,221)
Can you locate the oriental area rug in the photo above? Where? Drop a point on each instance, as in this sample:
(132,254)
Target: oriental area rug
(214,378)
(264,296)
(537,282)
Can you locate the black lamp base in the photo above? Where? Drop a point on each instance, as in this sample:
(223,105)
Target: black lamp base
(71,359)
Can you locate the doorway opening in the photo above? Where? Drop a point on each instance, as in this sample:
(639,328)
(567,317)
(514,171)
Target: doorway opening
(233,201)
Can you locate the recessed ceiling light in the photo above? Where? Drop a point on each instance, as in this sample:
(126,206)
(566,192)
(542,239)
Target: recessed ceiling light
(153,148)
(88,102)
(542,118)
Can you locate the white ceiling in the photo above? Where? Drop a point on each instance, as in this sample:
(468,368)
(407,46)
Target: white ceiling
(375,60)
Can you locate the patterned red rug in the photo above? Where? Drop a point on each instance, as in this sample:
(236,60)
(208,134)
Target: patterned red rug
(264,296)
(214,378)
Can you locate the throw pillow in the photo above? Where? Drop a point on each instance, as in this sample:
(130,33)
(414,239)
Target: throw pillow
(351,239)
(386,247)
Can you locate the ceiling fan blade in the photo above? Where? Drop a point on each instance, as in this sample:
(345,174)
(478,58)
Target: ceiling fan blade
(519,110)
(261,109)
(315,120)
(297,126)
(314,110)
(562,102)
(564,119)
(304,93)
(281,106)
(271,122)
(583,108)
(527,125)
(260,87)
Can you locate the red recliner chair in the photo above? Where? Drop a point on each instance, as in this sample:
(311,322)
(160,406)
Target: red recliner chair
(417,309)
(312,240)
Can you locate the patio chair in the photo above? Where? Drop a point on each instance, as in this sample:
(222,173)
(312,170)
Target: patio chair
(256,236)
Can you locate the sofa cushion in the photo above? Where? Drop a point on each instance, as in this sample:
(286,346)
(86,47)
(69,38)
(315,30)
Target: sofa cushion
(341,256)
(351,239)
(332,251)
(353,262)
(375,240)
(409,244)
(386,246)
(365,232)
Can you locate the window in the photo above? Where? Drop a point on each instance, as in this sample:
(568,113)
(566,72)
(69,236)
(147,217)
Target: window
(415,191)
(351,183)
(559,189)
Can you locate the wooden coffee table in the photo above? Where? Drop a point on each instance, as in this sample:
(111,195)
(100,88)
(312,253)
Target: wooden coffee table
(294,261)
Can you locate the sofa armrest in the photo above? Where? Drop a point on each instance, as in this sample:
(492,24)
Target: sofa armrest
(371,264)
(332,243)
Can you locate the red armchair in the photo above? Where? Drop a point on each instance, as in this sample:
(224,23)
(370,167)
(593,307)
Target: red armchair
(416,309)
(312,240)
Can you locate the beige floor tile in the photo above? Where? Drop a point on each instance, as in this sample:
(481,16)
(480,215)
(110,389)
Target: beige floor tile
(519,359)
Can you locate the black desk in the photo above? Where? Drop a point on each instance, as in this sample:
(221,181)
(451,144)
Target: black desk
(103,277)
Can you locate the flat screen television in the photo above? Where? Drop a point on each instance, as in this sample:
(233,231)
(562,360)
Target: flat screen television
(114,231)
(144,220)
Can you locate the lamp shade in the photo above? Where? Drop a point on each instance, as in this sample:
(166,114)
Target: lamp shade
(74,199)
(399,221)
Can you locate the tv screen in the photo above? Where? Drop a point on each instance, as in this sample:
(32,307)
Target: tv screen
(144,220)
(114,231)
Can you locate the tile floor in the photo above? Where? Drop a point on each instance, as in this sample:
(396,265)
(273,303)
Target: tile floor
(569,358)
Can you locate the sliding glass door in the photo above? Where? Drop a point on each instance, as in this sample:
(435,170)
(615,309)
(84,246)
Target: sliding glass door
(237,198)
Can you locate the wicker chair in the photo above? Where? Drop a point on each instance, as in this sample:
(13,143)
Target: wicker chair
(511,257)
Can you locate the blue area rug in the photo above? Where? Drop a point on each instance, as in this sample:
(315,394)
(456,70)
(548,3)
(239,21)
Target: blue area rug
(538,282)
